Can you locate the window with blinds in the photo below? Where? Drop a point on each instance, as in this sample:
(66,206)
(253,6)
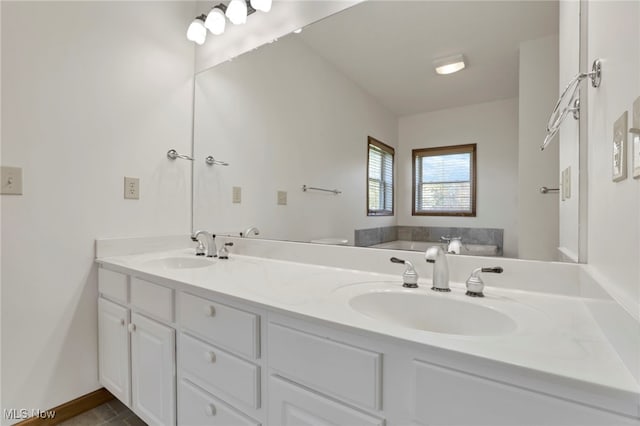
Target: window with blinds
(379,178)
(444,181)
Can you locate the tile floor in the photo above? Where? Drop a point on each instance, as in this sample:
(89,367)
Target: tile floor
(112,413)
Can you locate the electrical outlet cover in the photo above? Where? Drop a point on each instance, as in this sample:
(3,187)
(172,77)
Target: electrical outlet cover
(282,198)
(566,183)
(619,158)
(131,188)
(11,181)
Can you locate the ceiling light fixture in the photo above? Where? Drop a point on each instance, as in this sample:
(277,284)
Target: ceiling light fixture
(298,31)
(216,20)
(237,12)
(261,5)
(450,64)
(197,31)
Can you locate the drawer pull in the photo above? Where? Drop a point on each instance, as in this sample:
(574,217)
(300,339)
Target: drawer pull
(212,356)
(211,410)
(212,311)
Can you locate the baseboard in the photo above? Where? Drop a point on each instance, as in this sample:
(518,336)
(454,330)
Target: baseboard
(71,409)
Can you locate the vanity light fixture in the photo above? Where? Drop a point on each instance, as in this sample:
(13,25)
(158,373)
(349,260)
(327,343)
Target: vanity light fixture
(449,65)
(197,31)
(216,20)
(237,12)
(261,5)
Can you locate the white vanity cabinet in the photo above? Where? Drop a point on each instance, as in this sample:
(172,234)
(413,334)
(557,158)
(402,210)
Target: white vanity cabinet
(153,380)
(113,349)
(136,352)
(202,359)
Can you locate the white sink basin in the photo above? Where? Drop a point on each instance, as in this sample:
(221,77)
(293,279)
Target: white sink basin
(185,262)
(433,313)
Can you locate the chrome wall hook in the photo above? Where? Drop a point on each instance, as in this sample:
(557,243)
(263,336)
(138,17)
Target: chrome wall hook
(212,161)
(172,154)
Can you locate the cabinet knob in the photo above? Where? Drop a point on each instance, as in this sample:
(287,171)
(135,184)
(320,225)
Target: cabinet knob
(212,356)
(211,410)
(212,311)
(122,322)
(132,328)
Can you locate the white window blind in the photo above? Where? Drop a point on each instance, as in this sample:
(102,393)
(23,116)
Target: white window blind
(380,179)
(444,181)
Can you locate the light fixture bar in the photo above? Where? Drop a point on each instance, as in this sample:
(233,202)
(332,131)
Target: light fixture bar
(215,20)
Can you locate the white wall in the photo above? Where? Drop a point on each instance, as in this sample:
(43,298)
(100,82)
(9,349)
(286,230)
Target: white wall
(284,117)
(537,213)
(494,127)
(568,139)
(285,16)
(93,91)
(614,208)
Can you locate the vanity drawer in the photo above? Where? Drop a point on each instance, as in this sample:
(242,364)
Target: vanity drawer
(113,285)
(152,299)
(227,327)
(291,405)
(218,371)
(197,408)
(340,370)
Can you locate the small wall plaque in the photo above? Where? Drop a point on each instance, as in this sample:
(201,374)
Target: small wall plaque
(620,148)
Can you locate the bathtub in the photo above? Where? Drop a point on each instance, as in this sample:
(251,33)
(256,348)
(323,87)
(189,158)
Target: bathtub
(467,249)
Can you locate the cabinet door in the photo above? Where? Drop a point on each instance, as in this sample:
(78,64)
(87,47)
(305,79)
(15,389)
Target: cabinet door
(153,370)
(113,349)
(447,397)
(290,405)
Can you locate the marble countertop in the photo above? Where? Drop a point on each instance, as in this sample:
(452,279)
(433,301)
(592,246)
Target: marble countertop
(555,334)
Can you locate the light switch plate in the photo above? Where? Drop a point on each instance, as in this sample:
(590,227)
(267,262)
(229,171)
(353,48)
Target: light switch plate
(566,183)
(11,180)
(236,196)
(635,138)
(282,198)
(619,163)
(131,188)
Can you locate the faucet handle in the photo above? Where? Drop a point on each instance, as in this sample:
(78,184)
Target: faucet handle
(410,276)
(475,285)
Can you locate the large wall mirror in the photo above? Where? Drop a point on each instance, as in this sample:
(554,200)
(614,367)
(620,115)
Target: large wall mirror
(295,120)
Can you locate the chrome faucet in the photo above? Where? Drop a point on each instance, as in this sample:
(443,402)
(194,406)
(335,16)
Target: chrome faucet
(454,244)
(438,257)
(410,276)
(249,230)
(210,243)
(475,286)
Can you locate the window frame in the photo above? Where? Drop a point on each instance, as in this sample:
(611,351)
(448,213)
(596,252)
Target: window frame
(390,150)
(446,150)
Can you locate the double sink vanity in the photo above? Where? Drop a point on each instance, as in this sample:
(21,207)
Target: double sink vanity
(290,334)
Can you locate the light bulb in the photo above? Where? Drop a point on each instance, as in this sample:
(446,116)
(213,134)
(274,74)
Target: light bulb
(197,32)
(237,12)
(261,5)
(215,21)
